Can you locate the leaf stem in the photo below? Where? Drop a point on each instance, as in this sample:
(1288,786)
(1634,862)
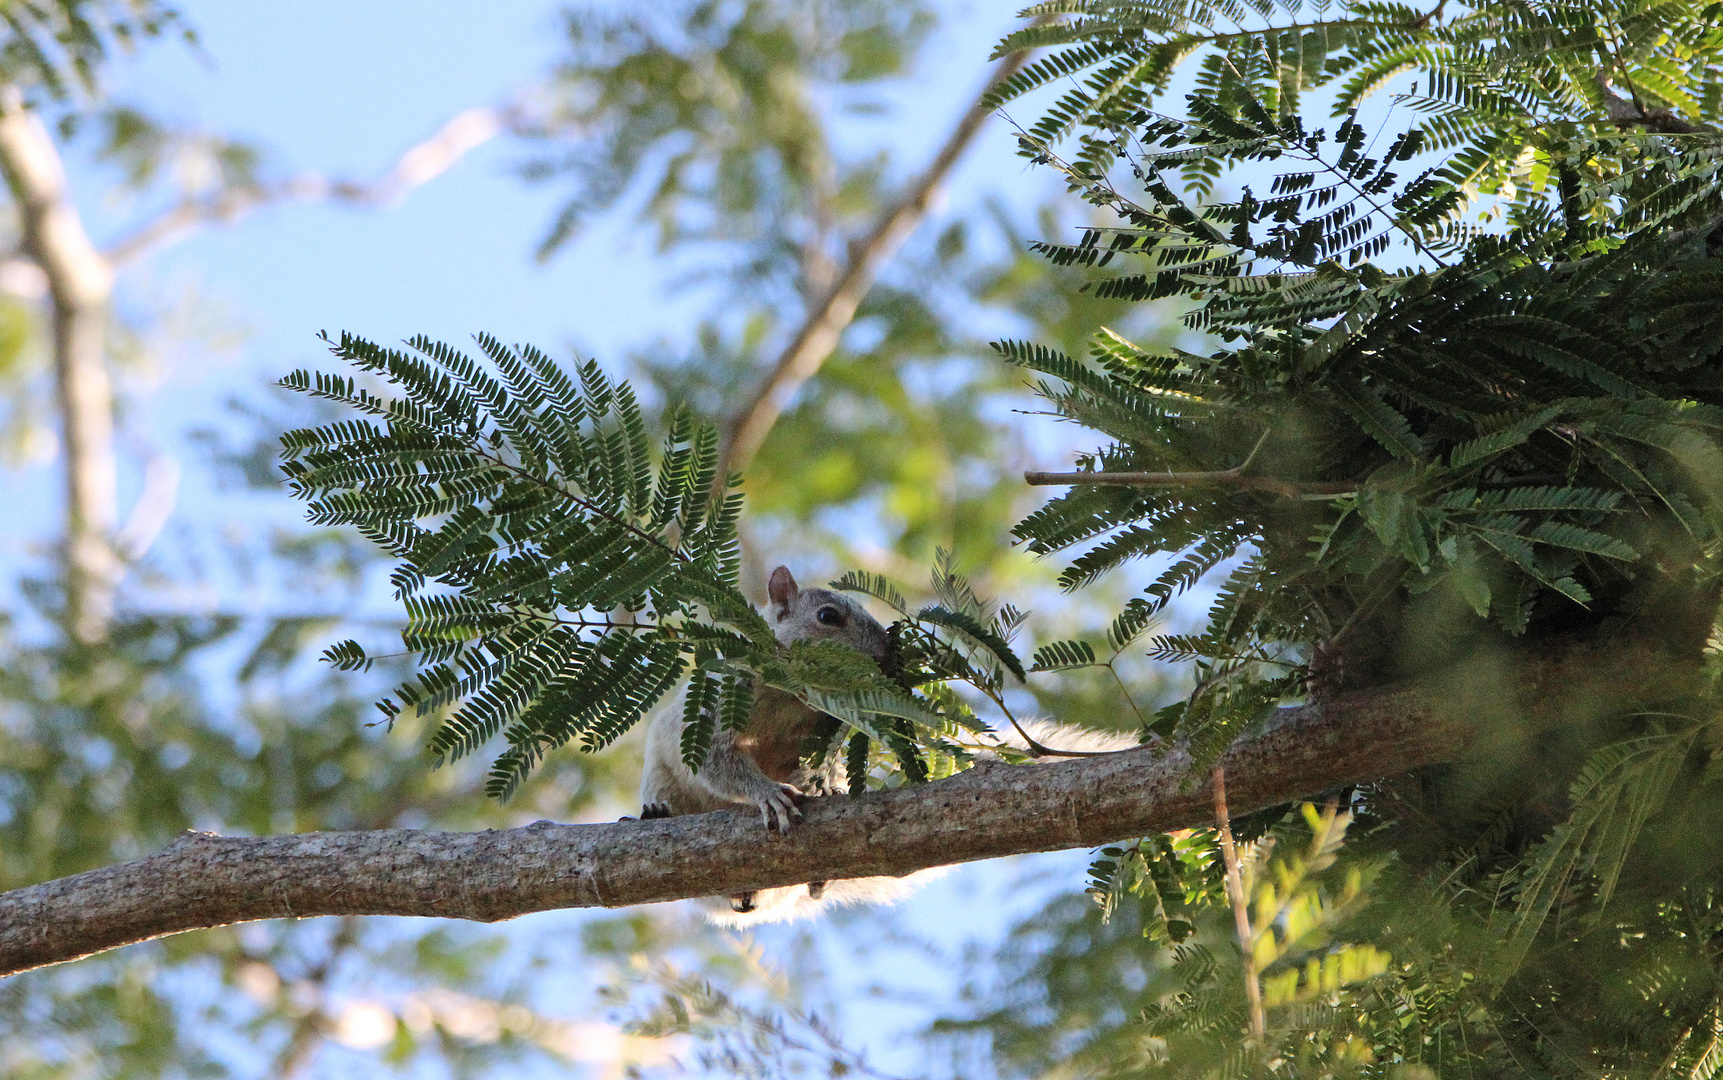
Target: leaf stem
(1240,909)
(1233,478)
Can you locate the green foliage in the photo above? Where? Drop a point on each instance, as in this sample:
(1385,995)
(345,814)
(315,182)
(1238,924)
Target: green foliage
(1150,980)
(572,562)
(1620,789)
(715,110)
(1292,918)
(1510,92)
(579,573)
(559,578)
(1510,434)
(61,45)
(1521,425)
(1174,877)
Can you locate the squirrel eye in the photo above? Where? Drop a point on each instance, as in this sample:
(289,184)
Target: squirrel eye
(829,615)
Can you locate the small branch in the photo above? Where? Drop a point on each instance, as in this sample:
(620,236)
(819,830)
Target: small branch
(463,133)
(151,512)
(818,334)
(1240,904)
(582,501)
(204,880)
(1233,478)
(1626,113)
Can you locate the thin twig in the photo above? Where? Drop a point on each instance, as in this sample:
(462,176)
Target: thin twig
(1123,689)
(1240,909)
(1035,747)
(1291,489)
(419,164)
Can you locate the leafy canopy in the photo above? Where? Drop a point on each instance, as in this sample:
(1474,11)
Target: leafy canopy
(1459,389)
(1521,420)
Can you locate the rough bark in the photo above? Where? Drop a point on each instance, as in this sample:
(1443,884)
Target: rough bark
(204,880)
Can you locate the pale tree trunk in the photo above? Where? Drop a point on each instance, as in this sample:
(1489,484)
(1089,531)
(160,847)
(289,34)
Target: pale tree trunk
(80,285)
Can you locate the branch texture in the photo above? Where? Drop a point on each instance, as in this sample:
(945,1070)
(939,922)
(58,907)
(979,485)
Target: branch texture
(204,880)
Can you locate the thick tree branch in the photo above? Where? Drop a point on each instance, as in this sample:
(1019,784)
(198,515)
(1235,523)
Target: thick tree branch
(204,880)
(818,334)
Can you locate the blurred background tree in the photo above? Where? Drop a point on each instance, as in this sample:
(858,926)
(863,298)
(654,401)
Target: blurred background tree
(159,664)
(818,299)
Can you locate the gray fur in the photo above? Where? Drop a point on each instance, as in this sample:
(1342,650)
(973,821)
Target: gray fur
(730,775)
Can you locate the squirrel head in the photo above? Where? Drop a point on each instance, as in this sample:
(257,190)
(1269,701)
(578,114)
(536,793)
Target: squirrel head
(820,615)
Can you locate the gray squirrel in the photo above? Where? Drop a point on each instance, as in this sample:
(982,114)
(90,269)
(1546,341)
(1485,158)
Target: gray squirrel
(761,765)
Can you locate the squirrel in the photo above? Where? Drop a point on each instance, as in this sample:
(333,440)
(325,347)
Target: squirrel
(761,765)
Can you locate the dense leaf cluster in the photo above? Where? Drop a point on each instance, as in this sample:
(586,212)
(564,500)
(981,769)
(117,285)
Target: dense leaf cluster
(560,576)
(1526,423)
(550,566)
(1511,433)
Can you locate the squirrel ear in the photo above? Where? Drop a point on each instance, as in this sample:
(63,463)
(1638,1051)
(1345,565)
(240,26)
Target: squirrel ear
(782,588)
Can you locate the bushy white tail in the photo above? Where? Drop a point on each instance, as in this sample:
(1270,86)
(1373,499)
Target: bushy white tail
(799,902)
(1056,736)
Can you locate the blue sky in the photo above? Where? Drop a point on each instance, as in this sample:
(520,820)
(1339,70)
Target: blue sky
(341,89)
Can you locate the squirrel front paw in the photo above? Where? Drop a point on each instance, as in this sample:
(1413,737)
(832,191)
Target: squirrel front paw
(780,809)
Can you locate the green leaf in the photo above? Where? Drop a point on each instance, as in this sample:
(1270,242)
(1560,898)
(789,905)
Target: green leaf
(975,632)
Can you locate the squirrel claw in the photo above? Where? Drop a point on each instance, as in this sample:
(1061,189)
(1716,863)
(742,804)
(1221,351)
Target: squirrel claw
(779,809)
